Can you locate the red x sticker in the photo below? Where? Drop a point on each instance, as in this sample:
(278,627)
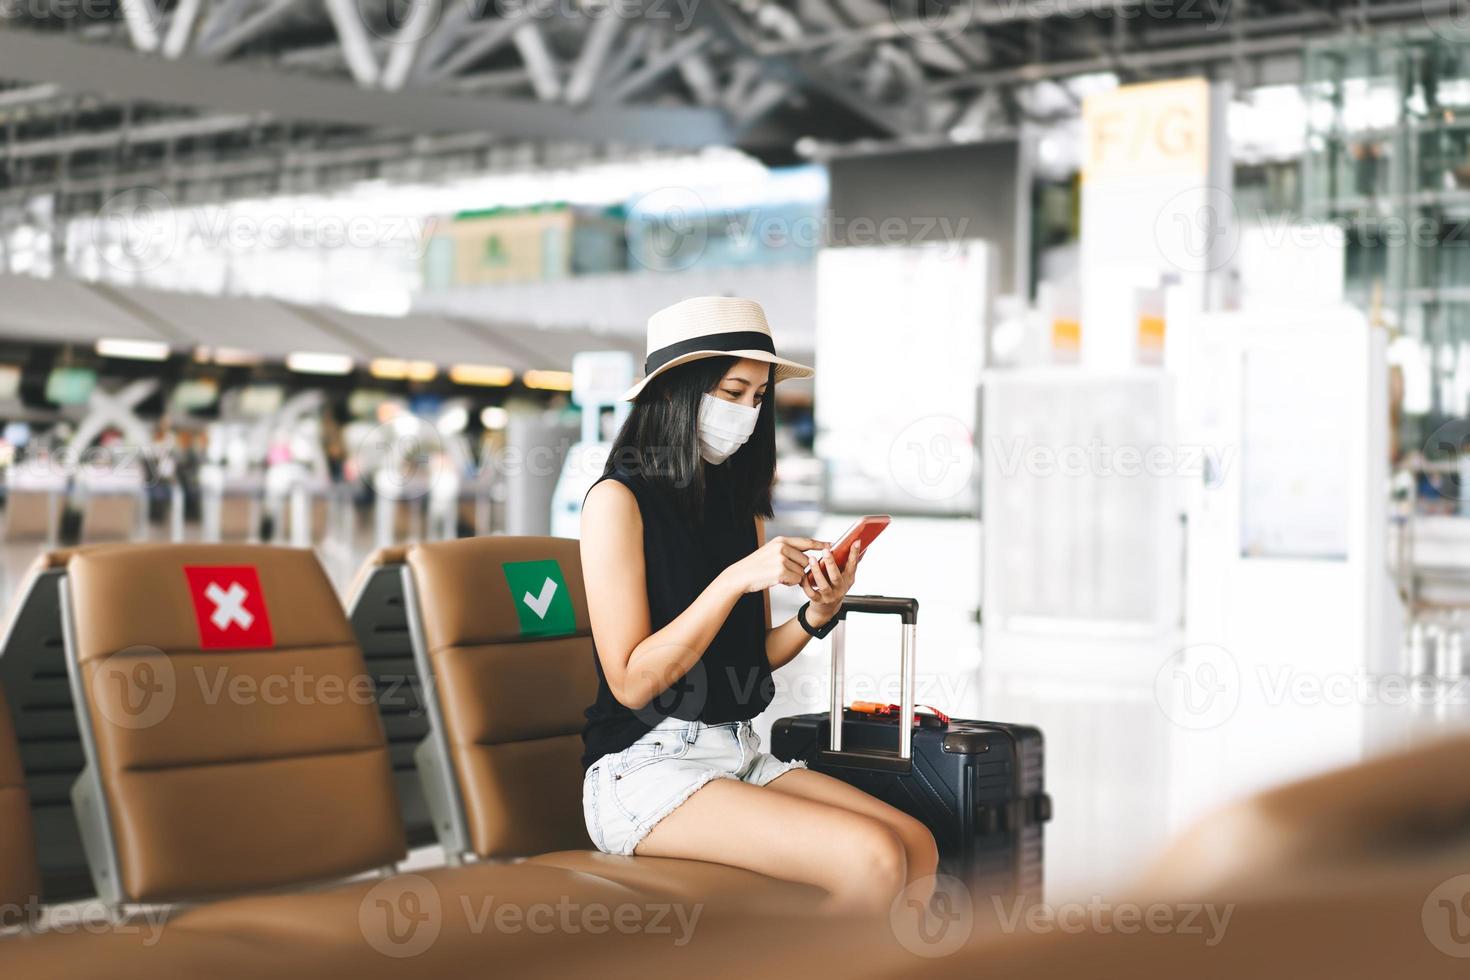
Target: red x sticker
(229,607)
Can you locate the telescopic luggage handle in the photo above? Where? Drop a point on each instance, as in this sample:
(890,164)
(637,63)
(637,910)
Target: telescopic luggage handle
(908,611)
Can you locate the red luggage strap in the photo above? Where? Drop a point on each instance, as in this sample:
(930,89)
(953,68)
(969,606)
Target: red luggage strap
(891,710)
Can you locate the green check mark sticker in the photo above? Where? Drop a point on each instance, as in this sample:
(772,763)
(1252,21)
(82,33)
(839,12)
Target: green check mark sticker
(543,602)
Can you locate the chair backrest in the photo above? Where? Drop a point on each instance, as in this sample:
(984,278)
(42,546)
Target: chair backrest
(20,878)
(375,609)
(1401,805)
(501,623)
(33,676)
(231,734)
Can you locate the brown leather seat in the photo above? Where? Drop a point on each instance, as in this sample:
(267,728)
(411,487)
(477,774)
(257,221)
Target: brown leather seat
(692,882)
(1383,899)
(233,747)
(1356,874)
(339,916)
(1396,805)
(233,741)
(605,932)
(212,784)
(1365,928)
(513,668)
(20,878)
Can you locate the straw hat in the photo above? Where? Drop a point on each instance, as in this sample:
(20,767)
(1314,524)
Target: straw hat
(711,326)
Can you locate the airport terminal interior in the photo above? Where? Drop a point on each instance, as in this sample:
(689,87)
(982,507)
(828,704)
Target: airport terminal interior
(1144,323)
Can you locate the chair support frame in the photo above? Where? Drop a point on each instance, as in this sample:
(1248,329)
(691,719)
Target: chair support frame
(89,797)
(433,756)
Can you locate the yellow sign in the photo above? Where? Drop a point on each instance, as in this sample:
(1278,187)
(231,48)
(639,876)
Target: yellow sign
(1150,338)
(1148,130)
(1066,337)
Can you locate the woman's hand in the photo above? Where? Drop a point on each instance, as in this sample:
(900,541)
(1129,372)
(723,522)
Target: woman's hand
(780,561)
(832,584)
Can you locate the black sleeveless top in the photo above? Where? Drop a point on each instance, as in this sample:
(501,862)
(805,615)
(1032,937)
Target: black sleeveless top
(732,680)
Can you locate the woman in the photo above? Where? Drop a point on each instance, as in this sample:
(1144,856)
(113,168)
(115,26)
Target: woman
(676,567)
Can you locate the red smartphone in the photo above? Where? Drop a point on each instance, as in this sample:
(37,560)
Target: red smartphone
(864,529)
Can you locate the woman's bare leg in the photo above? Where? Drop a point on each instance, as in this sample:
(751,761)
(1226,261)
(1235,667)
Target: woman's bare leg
(922,856)
(857,859)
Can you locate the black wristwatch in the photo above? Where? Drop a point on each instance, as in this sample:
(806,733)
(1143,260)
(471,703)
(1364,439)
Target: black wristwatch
(818,632)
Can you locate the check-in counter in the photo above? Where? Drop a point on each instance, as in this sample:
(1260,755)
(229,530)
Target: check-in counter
(33,504)
(230,504)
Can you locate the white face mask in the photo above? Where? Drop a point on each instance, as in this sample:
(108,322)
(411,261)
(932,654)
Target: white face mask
(724,426)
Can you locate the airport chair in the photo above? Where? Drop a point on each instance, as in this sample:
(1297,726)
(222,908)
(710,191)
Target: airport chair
(501,767)
(1392,918)
(343,932)
(200,782)
(189,794)
(1398,805)
(20,878)
(375,609)
(210,768)
(33,675)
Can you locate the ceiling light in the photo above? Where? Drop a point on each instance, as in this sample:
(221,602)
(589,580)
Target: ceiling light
(395,369)
(307,362)
(485,375)
(133,350)
(229,356)
(548,380)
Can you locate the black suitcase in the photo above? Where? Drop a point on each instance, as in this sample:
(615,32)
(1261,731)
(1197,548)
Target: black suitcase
(977,785)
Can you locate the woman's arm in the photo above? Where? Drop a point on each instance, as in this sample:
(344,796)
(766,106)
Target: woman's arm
(784,642)
(640,666)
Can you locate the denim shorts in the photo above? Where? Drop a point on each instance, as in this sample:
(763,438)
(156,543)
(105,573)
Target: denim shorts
(624,794)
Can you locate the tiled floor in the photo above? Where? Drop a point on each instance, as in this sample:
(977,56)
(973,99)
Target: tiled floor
(1129,764)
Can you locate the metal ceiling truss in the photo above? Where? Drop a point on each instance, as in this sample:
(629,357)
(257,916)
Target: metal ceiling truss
(155,85)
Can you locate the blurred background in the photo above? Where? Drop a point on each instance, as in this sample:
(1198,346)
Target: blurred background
(1148,320)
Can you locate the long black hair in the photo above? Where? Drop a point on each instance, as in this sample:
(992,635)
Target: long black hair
(659,442)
